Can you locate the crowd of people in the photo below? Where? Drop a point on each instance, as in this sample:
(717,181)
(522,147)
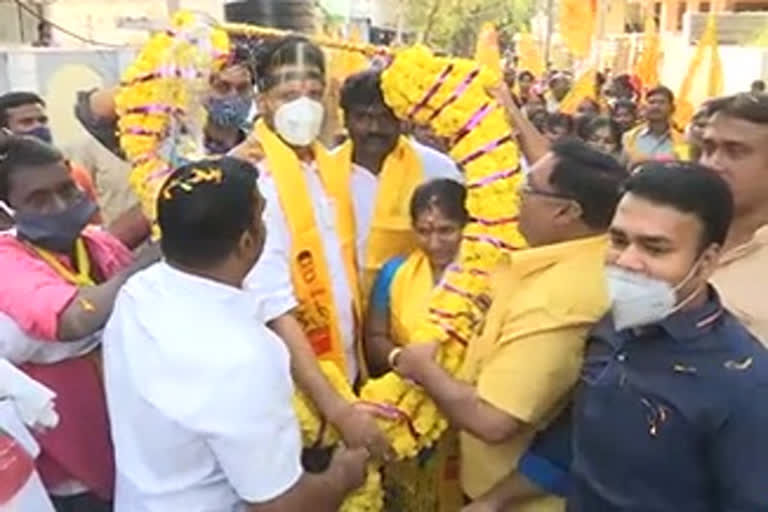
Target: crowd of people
(620,367)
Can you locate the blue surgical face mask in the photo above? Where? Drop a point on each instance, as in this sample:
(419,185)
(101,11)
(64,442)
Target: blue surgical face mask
(230,111)
(55,231)
(42,132)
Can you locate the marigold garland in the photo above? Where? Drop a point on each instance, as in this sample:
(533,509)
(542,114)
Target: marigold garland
(451,96)
(161,120)
(160,116)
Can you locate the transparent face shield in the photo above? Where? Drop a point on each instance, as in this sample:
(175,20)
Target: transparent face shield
(294,89)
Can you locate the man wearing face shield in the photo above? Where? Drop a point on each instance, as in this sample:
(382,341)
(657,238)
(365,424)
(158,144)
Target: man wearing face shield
(307,274)
(667,416)
(388,168)
(60,280)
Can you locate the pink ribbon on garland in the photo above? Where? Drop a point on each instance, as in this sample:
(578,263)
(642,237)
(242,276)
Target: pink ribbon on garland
(499,244)
(486,149)
(487,180)
(463,86)
(495,222)
(475,120)
(431,92)
(392,412)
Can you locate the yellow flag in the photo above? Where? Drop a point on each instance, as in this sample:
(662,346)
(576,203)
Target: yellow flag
(583,87)
(529,54)
(345,63)
(704,78)
(578,19)
(647,66)
(487,52)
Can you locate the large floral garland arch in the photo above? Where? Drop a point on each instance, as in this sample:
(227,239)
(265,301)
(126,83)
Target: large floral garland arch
(161,122)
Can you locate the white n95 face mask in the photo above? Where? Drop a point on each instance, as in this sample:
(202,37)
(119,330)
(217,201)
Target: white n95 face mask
(637,299)
(299,122)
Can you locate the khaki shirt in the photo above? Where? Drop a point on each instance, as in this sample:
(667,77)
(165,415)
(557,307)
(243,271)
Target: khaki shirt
(110,175)
(742,280)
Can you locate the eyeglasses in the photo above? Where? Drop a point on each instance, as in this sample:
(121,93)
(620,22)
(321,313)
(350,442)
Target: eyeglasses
(528,189)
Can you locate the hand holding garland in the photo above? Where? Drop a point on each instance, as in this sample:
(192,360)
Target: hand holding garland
(456,399)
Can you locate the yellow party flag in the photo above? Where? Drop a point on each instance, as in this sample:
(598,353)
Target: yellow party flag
(529,54)
(578,19)
(584,87)
(647,66)
(704,78)
(344,62)
(487,52)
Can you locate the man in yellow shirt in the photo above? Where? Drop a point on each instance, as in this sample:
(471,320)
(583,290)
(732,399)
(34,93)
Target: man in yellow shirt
(519,372)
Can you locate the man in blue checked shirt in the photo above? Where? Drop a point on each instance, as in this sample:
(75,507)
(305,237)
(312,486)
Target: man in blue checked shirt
(670,413)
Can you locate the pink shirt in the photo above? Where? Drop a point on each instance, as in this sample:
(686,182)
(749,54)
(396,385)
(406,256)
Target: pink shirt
(34,295)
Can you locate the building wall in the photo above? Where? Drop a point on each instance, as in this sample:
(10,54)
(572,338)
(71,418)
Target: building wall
(98,19)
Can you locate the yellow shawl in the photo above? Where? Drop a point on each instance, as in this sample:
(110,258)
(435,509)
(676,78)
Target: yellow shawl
(317,312)
(391,232)
(432,485)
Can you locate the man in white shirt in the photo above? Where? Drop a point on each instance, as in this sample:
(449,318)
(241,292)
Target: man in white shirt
(317,319)
(377,141)
(199,390)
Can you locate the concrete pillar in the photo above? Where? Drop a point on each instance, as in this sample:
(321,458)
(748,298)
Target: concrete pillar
(692,5)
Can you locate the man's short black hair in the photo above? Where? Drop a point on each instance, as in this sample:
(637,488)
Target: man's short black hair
(18,151)
(362,89)
(560,120)
(758,85)
(689,188)
(661,90)
(625,104)
(591,178)
(744,106)
(285,51)
(16,99)
(204,208)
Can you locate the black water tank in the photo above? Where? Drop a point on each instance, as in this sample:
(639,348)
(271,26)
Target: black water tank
(298,15)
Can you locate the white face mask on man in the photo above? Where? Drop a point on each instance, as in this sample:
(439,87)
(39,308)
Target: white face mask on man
(299,122)
(638,299)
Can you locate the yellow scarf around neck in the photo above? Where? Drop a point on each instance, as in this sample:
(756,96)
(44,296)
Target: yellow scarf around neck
(317,311)
(409,297)
(82,264)
(391,231)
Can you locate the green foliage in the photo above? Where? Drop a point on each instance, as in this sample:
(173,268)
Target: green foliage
(452,25)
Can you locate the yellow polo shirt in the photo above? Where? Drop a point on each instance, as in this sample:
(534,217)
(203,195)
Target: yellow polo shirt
(528,358)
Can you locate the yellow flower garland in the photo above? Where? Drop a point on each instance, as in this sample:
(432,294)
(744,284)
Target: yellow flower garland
(161,122)
(160,116)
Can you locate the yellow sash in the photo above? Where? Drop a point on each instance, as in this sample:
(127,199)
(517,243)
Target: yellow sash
(82,263)
(317,312)
(409,296)
(391,232)
(433,485)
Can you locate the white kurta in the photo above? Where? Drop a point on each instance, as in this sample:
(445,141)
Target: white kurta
(365,187)
(199,395)
(270,278)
